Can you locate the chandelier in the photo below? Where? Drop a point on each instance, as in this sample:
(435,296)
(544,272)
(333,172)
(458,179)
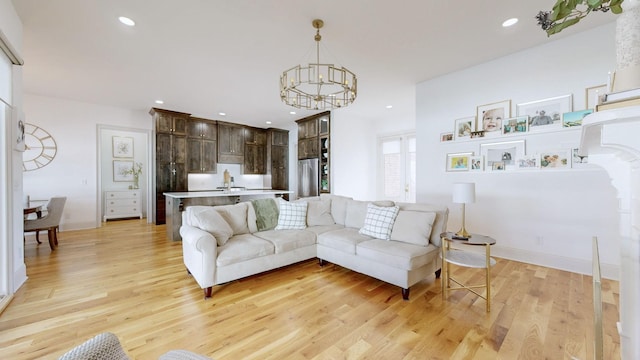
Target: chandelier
(318,86)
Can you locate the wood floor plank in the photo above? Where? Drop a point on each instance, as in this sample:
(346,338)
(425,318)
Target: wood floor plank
(126,278)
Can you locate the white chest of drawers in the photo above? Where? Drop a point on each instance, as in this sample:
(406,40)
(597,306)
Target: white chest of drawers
(122,204)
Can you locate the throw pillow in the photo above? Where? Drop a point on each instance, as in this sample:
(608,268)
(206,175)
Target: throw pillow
(319,213)
(413,227)
(293,215)
(236,217)
(209,220)
(266,213)
(379,221)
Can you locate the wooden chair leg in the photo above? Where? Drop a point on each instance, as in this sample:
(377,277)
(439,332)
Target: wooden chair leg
(55,235)
(38,236)
(52,234)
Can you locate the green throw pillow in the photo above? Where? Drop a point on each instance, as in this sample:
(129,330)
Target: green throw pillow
(266,213)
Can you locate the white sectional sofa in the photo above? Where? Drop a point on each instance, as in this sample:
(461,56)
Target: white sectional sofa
(396,243)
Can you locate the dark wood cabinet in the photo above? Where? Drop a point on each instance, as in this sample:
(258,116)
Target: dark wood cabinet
(278,159)
(314,134)
(202,146)
(230,143)
(255,151)
(171,156)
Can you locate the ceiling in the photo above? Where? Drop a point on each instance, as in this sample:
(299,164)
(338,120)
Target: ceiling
(204,57)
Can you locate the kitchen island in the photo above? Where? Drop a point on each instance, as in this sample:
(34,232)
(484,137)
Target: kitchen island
(177,201)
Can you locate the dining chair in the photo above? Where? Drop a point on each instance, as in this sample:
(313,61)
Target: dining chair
(49,222)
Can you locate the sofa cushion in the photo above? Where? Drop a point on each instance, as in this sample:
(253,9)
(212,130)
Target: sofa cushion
(413,227)
(287,240)
(266,213)
(319,229)
(293,215)
(356,212)
(243,247)
(379,221)
(236,217)
(344,239)
(338,207)
(396,254)
(319,213)
(210,220)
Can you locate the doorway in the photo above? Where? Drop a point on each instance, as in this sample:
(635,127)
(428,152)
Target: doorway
(397,167)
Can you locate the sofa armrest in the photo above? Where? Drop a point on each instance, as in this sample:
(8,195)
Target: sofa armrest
(199,253)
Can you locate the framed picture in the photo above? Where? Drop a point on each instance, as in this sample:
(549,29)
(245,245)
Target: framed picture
(477,163)
(446,136)
(527,162)
(458,161)
(477,134)
(503,152)
(497,166)
(592,94)
(490,116)
(555,159)
(464,127)
(547,113)
(574,118)
(122,147)
(578,160)
(516,125)
(121,170)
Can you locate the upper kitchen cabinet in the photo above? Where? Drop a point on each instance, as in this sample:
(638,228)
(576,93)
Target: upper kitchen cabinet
(255,151)
(309,130)
(170,122)
(201,146)
(230,143)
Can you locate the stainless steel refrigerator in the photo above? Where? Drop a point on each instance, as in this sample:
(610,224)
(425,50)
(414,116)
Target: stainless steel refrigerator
(308,180)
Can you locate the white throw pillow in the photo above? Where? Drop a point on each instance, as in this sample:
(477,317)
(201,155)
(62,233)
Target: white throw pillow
(293,215)
(379,221)
(413,227)
(319,213)
(236,216)
(209,220)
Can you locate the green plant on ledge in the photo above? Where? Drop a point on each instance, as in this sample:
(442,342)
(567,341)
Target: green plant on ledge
(568,12)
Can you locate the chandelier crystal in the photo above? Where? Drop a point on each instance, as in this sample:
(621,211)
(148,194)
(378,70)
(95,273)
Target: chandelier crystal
(318,86)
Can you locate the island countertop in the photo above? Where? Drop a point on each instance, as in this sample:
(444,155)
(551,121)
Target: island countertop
(219,193)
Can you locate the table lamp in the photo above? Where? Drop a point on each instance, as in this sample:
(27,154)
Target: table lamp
(464,193)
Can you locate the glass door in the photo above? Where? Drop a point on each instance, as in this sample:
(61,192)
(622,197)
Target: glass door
(397,168)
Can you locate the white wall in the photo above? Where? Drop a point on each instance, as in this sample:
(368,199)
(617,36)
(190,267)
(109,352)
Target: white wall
(74,171)
(543,217)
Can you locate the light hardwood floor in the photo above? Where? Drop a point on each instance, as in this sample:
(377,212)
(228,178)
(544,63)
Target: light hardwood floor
(126,278)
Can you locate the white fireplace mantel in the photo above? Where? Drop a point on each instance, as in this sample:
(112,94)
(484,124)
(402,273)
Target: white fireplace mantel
(611,139)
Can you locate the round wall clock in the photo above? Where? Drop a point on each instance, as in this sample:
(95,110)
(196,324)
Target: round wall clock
(40,148)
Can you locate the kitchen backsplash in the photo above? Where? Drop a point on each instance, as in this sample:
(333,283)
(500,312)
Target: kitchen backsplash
(203,182)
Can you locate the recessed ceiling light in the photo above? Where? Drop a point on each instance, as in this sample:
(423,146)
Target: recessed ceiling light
(222,113)
(268,122)
(292,112)
(159,102)
(509,22)
(125,20)
(389,106)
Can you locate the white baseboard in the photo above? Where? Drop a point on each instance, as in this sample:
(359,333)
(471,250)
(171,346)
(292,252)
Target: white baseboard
(580,266)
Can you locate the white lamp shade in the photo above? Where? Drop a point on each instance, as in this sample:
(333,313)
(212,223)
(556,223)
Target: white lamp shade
(464,193)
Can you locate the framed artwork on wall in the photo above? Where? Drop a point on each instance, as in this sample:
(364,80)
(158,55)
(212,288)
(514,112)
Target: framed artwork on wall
(490,117)
(122,170)
(528,162)
(592,94)
(477,163)
(448,136)
(122,147)
(546,114)
(577,159)
(464,127)
(555,159)
(516,125)
(574,118)
(504,153)
(458,161)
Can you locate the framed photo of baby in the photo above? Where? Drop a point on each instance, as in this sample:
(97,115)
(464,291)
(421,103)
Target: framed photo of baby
(464,127)
(490,117)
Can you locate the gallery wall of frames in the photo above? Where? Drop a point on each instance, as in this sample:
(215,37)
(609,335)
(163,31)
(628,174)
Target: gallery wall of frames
(497,136)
